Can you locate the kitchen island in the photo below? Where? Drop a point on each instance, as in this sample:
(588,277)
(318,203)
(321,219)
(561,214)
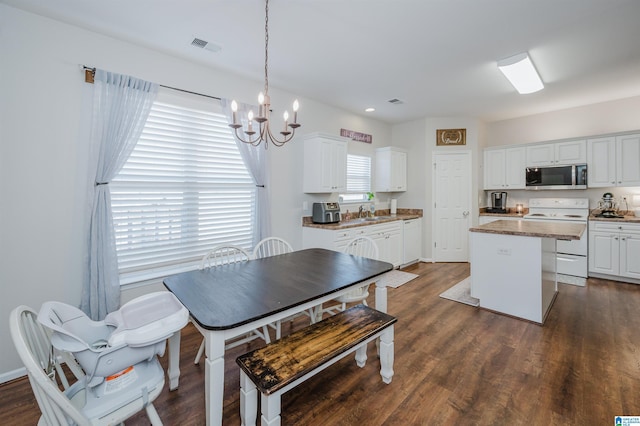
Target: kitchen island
(513,265)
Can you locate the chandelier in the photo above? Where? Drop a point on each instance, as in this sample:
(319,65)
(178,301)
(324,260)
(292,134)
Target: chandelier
(264,132)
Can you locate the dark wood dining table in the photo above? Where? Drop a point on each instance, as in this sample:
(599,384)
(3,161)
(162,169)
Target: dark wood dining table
(231,300)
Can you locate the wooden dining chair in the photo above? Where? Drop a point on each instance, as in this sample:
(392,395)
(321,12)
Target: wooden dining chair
(363,247)
(273,246)
(223,255)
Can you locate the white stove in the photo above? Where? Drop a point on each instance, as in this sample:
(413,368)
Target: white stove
(572,255)
(572,209)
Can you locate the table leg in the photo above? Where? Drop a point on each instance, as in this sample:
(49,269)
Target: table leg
(386,355)
(381,295)
(174,360)
(214,377)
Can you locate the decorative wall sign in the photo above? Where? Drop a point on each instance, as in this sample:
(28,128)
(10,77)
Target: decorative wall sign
(356,136)
(451,137)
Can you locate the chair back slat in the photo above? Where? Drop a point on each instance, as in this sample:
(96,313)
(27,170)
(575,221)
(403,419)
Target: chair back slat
(222,255)
(363,247)
(33,344)
(271,246)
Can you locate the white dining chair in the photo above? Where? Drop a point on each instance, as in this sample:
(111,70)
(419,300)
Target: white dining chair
(223,255)
(363,247)
(76,403)
(273,246)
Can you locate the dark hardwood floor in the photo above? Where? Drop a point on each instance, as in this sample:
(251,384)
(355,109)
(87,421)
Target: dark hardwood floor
(454,364)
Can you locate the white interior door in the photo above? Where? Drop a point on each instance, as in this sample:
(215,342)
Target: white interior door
(452,205)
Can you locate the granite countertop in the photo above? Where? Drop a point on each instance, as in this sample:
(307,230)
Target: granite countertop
(627,218)
(511,212)
(524,228)
(382,216)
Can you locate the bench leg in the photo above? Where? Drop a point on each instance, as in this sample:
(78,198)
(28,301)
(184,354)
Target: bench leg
(270,409)
(386,354)
(248,400)
(361,355)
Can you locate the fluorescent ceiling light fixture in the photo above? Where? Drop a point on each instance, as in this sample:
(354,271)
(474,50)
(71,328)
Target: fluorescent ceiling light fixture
(370,109)
(521,73)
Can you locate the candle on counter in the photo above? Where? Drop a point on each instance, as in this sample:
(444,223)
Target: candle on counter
(519,208)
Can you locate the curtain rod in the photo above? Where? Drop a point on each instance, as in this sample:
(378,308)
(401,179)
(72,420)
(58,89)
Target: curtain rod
(89,73)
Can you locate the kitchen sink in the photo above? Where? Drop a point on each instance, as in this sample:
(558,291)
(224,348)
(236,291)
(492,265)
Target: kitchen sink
(370,219)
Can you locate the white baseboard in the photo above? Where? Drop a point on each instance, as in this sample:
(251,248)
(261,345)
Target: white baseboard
(12,375)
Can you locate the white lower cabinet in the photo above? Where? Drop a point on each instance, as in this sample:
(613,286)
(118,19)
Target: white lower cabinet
(387,236)
(614,249)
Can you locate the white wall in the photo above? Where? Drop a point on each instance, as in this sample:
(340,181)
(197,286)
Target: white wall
(591,120)
(42,158)
(607,117)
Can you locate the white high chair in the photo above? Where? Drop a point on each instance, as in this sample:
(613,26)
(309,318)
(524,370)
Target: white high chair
(118,356)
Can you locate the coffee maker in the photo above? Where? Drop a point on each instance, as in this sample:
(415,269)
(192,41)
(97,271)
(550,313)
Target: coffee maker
(498,203)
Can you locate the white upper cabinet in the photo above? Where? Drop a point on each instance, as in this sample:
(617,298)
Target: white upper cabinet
(559,153)
(504,168)
(391,170)
(614,161)
(325,163)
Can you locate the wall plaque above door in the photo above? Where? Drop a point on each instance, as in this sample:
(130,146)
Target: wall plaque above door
(451,137)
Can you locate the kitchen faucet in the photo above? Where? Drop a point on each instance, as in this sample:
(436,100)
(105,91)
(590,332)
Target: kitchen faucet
(360,210)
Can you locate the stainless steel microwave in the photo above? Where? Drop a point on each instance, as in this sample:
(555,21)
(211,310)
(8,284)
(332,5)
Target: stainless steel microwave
(557,177)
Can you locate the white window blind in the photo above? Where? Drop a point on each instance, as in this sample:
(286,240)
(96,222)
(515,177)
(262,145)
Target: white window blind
(358,178)
(184,190)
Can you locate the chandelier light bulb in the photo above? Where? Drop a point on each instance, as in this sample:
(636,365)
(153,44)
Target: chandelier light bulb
(296,105)
(234,106)
(250,117)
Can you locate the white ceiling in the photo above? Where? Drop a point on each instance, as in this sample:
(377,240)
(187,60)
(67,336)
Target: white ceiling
(437,56)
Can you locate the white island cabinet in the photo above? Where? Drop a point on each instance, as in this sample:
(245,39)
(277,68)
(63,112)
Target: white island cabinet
(513,265)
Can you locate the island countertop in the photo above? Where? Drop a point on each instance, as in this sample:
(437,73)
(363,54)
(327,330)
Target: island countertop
(558,230)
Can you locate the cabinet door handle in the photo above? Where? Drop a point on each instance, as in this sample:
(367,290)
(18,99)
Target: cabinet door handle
(465,213)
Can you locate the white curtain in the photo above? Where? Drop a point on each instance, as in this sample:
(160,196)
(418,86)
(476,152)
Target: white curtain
(121,105)
(255,158)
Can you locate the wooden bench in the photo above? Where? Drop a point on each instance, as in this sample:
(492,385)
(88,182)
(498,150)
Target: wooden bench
(285,363)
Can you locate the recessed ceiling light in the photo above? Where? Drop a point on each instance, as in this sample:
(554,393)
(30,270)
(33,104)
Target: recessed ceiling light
(370,109)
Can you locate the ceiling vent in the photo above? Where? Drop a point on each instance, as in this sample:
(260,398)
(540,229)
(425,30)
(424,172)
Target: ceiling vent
(203,44)
(395,101)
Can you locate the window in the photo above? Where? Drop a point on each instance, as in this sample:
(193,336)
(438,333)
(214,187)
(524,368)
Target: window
(358,178)
(183,190)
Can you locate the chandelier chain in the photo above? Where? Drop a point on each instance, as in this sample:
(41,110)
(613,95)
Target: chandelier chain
(266,48)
